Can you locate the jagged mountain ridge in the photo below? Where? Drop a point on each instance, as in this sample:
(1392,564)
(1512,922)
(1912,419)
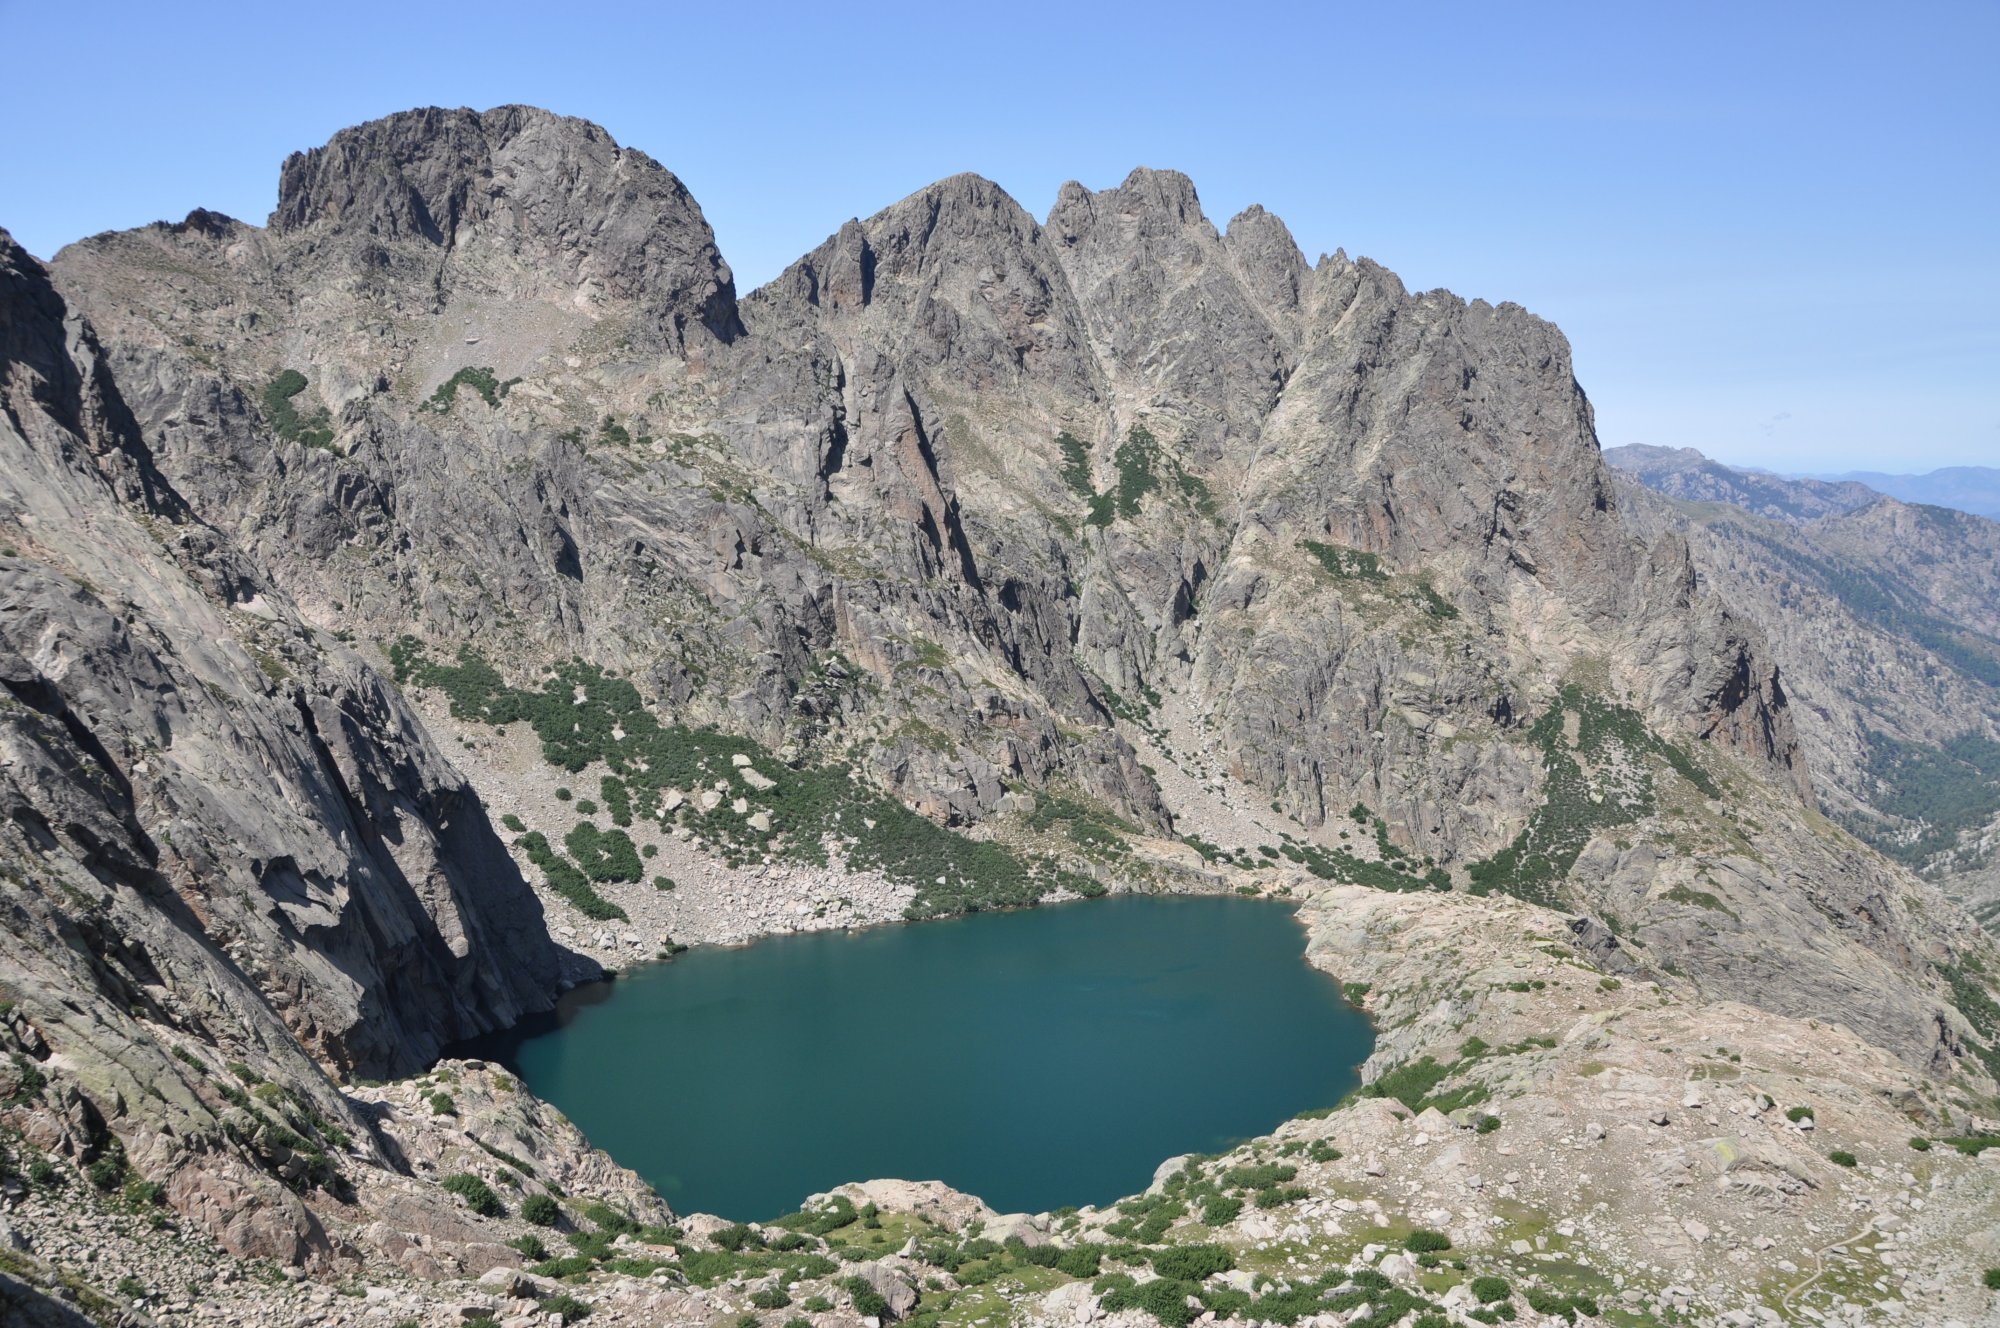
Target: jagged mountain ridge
(930,503)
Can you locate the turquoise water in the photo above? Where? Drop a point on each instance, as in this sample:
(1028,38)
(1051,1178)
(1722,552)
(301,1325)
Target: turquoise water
(1036,1058)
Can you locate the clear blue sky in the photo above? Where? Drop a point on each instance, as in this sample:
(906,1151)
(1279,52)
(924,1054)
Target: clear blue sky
(1769,230)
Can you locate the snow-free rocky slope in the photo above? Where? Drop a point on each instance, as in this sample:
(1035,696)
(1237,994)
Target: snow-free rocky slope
(1887,615)
(973,560)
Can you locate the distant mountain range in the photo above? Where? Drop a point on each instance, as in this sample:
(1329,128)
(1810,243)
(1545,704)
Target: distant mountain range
(1687,473)
(1974,489)
(1885,616)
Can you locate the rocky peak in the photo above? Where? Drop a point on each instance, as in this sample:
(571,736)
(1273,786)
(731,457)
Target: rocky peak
(1170,315)
(1269,262)
(957,273)
(550,193)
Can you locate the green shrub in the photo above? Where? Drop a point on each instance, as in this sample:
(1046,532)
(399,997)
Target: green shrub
(562,795)
(1486,1290)
(1993,1279)
(513,823)
(608,1219)
(1840,1157)
(585,807)
(590,1244)
(1075,470)
(1488,1124)
(529,1247)
(1192,1263)
(478,1195)
(284,418)
(1544,1301)
(1280,1195)
(816,1305)
(443,1104)
(868,1302)
(542,1210)
(1797,1114)
(1220,1210)
(602,855)
(1080,1261)
(1163,1298)
(1921,1144)
(838,1212)
(566,1305)
(107,1172)
(770,1298)
(617,800)
(1347,565)
(145,1193)
(734,1237)
(131,1288)
(480,380)
(1257,1176)
(1423,1241)
(567,881)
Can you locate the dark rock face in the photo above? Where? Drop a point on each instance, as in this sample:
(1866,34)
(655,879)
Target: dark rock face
(219,824)
(555,195)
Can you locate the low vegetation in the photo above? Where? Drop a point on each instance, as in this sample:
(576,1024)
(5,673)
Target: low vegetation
(476,1193)
(282,414)
(585,716)
(1599,779)
(480,380)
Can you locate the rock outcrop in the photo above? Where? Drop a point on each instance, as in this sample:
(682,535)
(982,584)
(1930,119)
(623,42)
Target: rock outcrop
(226,838)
